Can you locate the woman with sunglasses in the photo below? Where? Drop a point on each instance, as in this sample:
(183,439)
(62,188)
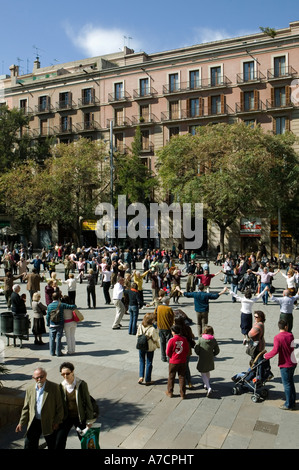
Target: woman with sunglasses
(78,409)
(257,332)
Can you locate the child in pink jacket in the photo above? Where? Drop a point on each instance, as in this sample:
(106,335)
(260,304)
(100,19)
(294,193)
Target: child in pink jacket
(177,351)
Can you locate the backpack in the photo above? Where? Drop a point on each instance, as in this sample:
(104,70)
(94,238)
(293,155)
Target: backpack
(95,407)
(55,314)
(142,343)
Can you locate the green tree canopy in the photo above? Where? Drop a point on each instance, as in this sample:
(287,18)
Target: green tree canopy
(233,170)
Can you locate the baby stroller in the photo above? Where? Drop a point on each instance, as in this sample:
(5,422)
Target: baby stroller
(254,379)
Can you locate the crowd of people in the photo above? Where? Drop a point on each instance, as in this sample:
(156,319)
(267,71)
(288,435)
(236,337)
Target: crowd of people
(246,278)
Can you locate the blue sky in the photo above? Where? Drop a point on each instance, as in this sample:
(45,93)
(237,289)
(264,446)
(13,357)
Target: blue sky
(62,31)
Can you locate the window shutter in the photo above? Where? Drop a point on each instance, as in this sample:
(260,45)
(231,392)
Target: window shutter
(288,127)
(288,95)
(242,100)
(188,108)
(274,125)
(256,95)
(201,108)
(209,105)
(272,98)
(223,102)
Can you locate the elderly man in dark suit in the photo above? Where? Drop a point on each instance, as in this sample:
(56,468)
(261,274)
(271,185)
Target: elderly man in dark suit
(42,411)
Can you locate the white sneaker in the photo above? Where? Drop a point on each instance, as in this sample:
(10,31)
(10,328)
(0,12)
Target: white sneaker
(209,393)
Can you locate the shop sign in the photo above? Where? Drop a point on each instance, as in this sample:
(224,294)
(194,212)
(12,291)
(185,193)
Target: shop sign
(250,227)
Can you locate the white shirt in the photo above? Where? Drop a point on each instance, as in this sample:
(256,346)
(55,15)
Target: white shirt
(247,304)
(118,291)
(71,284)
(39,393)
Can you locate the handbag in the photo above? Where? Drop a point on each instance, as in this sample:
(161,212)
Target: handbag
(252,348)
(77,316)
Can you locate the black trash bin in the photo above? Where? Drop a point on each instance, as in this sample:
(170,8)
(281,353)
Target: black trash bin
(21,325)
(6,323)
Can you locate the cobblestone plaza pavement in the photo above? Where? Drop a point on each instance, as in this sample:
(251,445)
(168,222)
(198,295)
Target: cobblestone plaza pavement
(135,416)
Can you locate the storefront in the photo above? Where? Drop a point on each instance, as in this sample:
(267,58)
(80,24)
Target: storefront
(250,234)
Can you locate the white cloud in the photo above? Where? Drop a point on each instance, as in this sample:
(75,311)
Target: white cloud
(95,40)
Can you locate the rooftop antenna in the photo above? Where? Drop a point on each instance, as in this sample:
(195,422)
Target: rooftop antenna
(129,37)
(19,62)
(37,55)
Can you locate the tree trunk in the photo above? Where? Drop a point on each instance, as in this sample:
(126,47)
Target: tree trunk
(222,236)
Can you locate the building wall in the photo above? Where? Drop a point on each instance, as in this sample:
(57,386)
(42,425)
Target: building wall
(231,97)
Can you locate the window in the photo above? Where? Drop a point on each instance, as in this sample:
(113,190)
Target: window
(173,131)
(119,141)
(216,104)
(192,130)
(64,100)
(250,122)
(23,105)
(279,66)
(87,96)
(43,103)
(119,116)
(144,113)
(119,91)
(145,145)
(144,86)
(279,96)
(174,110)
(173,82)
(194,79)
(248,71)
(194,107)
(215,76)
(65,123)
(281,125)
(248,100)
(88,120)
(43,126)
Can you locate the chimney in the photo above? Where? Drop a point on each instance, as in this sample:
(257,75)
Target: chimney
(14,70)
(36,64)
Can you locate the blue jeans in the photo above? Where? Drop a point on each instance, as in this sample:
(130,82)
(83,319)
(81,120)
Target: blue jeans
(266,294)
(234,288)
(133,311)
(287,377)
(146,364)
(55,337)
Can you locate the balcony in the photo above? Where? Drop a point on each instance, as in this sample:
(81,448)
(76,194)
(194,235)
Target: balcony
(147,147)
(248,108)
(248,78)
(65,105)
(149,92)
(120,122)
(26,110)
(42,132)
(144,120)
(64,129)
(87,126)
(278,105)
(44,108)
(88,101)
(286,72)
(204,112)
(201,84)
(122,149)
(118,97)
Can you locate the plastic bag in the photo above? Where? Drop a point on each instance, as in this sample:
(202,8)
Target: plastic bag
(90,437)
